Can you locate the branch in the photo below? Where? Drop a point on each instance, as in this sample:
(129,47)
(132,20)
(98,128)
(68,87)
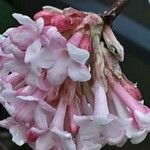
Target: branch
(110,14)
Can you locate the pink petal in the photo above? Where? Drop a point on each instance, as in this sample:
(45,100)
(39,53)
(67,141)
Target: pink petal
(76,38)
(133,132)
(57,41)
(86,43)
(132,89)
(21,113)
(46,107)
(18,53)
(22,36)
(72,110)
(7,123)
(125,96)
(42,84)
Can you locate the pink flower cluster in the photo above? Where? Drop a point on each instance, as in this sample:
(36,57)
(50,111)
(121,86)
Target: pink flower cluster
(61,83)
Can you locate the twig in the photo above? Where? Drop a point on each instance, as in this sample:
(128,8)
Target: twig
(110,14)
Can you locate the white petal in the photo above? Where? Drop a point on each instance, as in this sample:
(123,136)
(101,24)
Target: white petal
(101,105)
(31,79)
(58,120)
(132,132)
(138,137)
(10,109)
(114,132)
(45,59)
(18,133)
(78,72)
(39,58)
(42,84)
(143,119)
(83,120)
(16,66)
(8,31)
(37,131)
(23,19)
(7,46)
(17,53)
(45,142)
(40,118)
(28,98)
(52,9)
(40,24)
(45,106)
(2,38)
(58,73)
(88,144)
(77,54)
(7,123)
(33,51)
(89,134)
(66,139)
(103,120)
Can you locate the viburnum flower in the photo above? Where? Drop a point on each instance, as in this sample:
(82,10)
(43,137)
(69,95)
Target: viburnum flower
(61,84)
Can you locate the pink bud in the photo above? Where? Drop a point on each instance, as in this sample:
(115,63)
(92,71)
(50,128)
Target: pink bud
(61,22)
(132,89)
(76,38)
(31,137)
(86,43)
(72,110)
(46,15)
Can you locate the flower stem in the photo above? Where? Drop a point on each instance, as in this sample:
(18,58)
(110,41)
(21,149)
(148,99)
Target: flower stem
(116,8)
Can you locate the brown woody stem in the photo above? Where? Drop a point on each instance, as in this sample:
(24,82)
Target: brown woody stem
(110,14)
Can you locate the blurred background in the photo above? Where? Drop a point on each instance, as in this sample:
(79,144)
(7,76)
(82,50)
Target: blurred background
(132,28)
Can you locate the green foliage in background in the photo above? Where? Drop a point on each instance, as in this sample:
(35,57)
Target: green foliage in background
(6,19)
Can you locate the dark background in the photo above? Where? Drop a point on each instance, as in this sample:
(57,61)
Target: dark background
(131,28)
